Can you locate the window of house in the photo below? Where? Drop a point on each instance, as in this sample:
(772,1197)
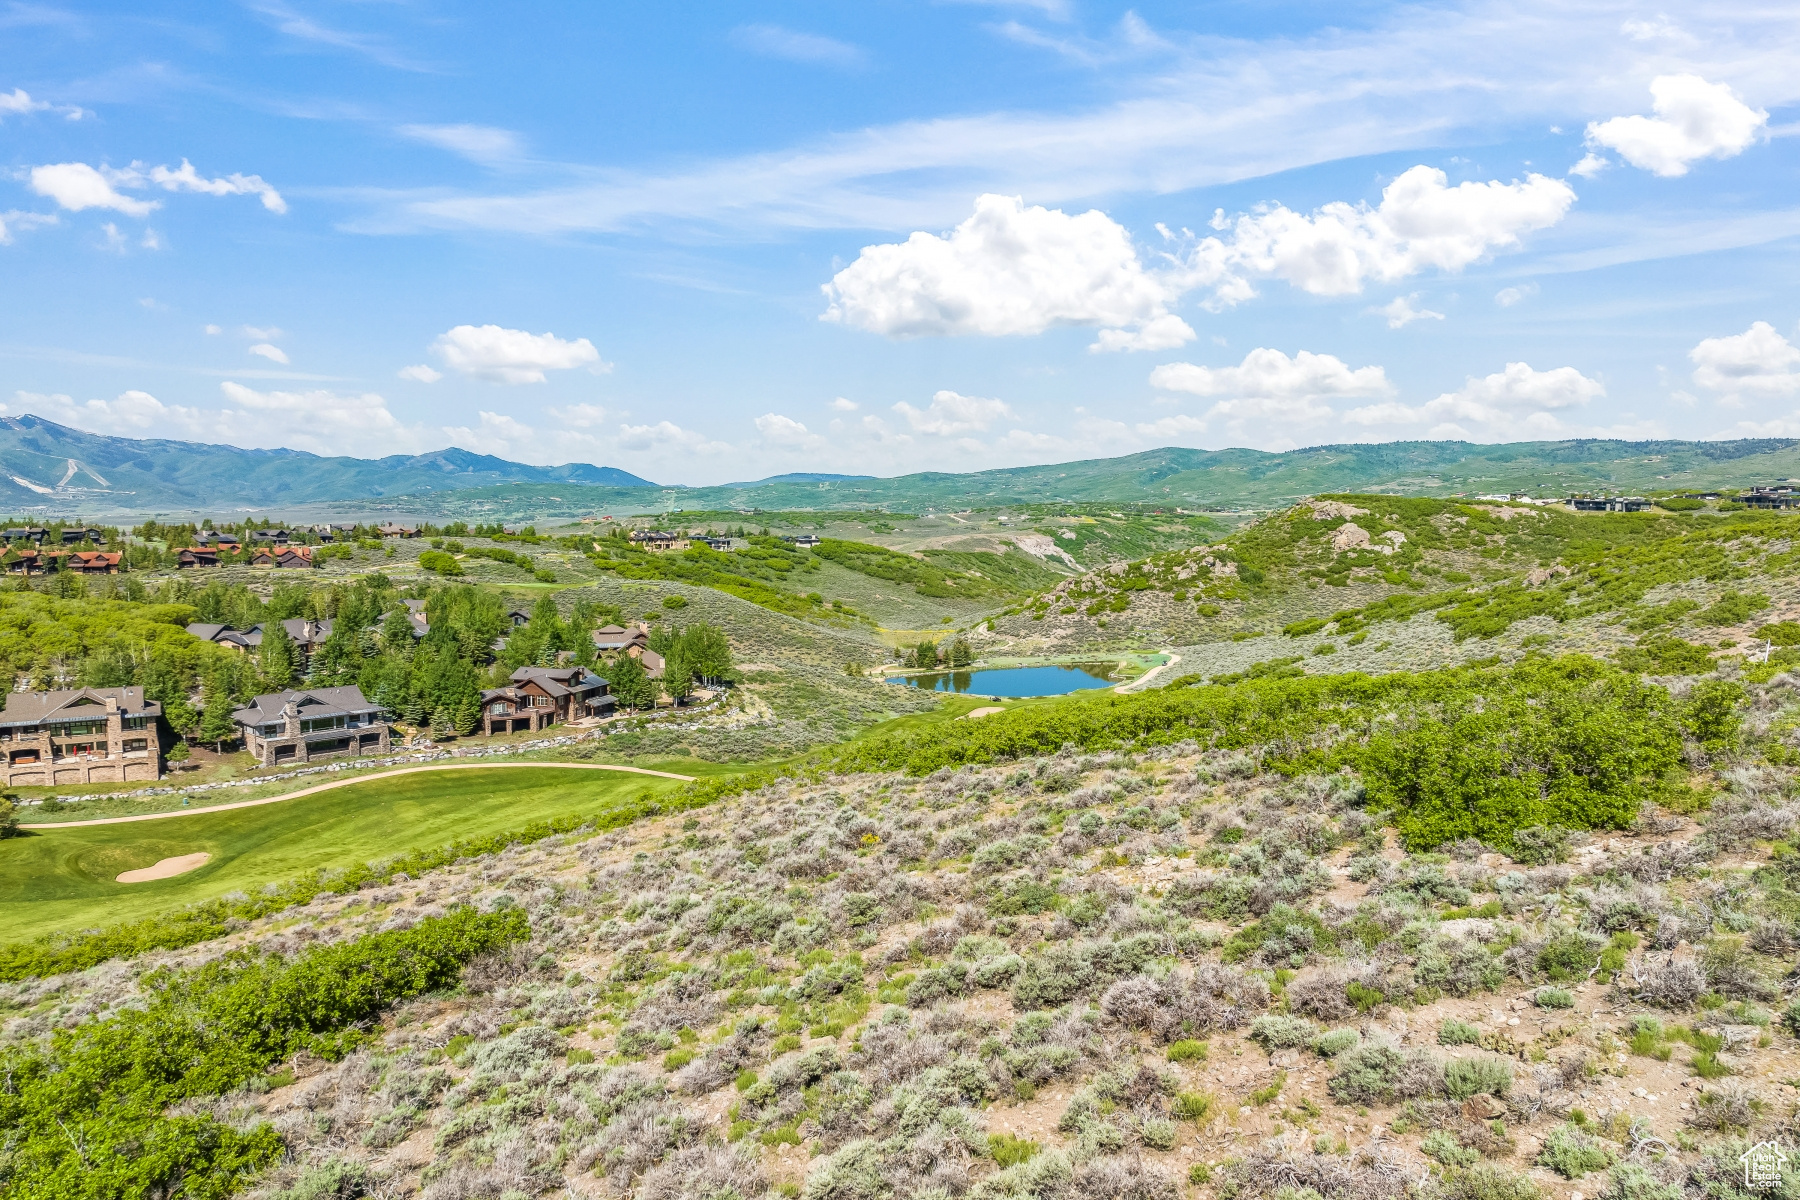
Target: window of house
(318,723)
(136,722)
(501,708)
(269,730)
(136,745)
(81,728)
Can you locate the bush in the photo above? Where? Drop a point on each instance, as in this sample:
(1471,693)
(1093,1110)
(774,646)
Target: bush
(1365,1075)
(1673,983)
(1446,1149)
(1568,955)
(1553,997)
(1192,1106)
(1572,1153)
(440,563)
(1633,1181)
(1009,1151)
(1487,1181)
(1538,845)
(1187,1049)
(1465,1077)
(1452,1032)
(1334,1042)
(1279,1032)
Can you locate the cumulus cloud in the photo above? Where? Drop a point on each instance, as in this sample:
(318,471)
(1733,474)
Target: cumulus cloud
(951,413)
(136,410)
(501,355)
(1694,120)
(18,103)
(581,416)
(1759,362)
(1400,312)
(420,373)
(1016,270)
(1270,374)
(1590,165)
(1159,333)
(319,420)
(1506,297)
(78,186)
(779,430)
(1007,270)
(274,354)
(1518,402)
(664,435)
(1421,223)
(843,405)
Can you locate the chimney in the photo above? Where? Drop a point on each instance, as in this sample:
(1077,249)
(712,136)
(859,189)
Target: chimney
(112,704)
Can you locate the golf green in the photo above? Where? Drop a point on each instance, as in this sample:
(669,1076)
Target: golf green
(61,879)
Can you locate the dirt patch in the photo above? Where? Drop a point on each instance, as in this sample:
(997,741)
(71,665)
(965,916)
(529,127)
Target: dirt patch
(168,868)
(981,712)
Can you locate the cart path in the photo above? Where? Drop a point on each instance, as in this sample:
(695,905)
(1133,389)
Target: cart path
(325,787)
(1143,681)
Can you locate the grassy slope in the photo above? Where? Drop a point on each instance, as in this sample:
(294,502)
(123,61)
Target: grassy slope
(63,878)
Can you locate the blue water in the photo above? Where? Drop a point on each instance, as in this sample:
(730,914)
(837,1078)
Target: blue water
(1011,682)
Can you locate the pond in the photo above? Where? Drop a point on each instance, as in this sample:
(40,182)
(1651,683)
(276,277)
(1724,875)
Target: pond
(1012,682)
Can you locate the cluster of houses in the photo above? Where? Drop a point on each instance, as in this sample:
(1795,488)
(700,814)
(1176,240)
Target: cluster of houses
(24,552)
(277,548)
(663,541)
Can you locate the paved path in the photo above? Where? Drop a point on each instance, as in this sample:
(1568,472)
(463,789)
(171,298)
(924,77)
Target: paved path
(1143,681)
(325,787)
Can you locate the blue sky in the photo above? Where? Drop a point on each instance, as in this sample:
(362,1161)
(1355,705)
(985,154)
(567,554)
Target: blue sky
(715,242)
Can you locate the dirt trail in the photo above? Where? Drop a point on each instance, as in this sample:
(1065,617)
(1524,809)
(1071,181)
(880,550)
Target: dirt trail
(325,787)
(166,868)
(1143,681)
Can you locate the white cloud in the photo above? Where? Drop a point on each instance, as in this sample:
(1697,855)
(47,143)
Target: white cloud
(1506,297)
(843,405)
(211,330)
(1590,166)
(114,239)
(1757,362)
(1006,270)
(322,421)
(420,373)
(1517,403)
(18,103)
(268,333)
(77,186)
(773,41)
(785,431)
(666,435)
(133,410)
(1694,120)
(502,355)
(1270,374)
(1159,333)
(1421,223)
(581,416)
(186,179)
(1400,313)
(274,354)
(951,413)
(482,144)
(15,221)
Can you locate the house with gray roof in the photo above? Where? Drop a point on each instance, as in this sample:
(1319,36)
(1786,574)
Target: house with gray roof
(305,725)
(539,697)
(84,735)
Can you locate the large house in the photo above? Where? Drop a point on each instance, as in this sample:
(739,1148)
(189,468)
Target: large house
(197,556)
(296,557)
(635,641)
(92,562)
(243,640)
(88,735)
(303,726)
(539,697)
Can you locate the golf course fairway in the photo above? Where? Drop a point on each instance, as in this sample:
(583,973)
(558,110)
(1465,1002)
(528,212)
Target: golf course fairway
(65,879)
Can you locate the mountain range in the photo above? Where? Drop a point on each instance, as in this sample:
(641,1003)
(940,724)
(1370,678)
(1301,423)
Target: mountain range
(44,465)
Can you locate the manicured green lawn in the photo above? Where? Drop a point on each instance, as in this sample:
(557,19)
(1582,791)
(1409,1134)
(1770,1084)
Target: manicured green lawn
(64,878)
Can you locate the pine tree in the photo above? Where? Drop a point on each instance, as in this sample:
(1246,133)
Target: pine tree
(216,725)
(275,657)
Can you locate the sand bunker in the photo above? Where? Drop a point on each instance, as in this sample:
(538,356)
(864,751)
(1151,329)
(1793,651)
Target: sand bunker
(981,712)
(166,868)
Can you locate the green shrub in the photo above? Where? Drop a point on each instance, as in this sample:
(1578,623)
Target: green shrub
(1009,1151)
(1465,1077)
(1446,1149)
(1192,1106)
(1572,1153)
(1452,1032)
(1334,1042)
(1276,1031)
(1568,955)
(201,1033)
(440,563)
(1537,845)
(1365,1075)
(1633,1181)
(1553,997)
(1187,1049)
(1362,997)
(1486,1181)
(1199,1173)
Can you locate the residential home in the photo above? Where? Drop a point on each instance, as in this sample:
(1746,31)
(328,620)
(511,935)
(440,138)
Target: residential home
(93,562)
(659,541)
(74,537)
(518,617)
(284,557)
(197,556)
(415,612)
(242,640)
(298,726)
(33,534)
(611,639)
(228,543)
(308,636)
(653,662)
(87,735)
(1770,497)
(804,541)
(24,560)
(267,537)
(539,697)
(398,531)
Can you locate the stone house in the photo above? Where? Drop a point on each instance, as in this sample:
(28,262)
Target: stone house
(86,735)
(539,697)
(298,726)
